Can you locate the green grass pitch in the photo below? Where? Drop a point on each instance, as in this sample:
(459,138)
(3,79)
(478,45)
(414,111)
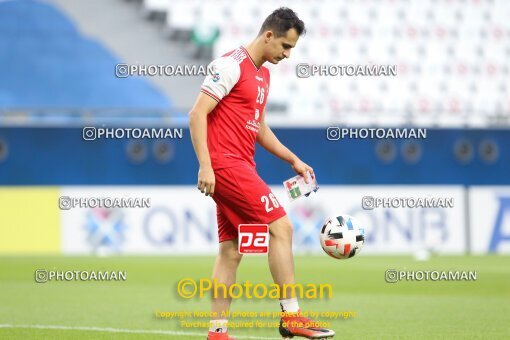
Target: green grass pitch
(83,310)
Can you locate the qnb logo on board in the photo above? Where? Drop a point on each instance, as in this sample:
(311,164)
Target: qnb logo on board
(500,234)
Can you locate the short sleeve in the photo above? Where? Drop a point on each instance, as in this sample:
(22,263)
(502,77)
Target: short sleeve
(225,74)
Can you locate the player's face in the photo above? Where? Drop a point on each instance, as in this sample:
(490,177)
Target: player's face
(279,48)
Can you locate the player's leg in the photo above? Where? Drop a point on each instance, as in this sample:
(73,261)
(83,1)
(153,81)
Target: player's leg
(281,265)
(225,269)
(224,272)
(281,261)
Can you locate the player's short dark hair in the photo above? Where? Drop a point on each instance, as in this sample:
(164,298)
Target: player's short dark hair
(282,20)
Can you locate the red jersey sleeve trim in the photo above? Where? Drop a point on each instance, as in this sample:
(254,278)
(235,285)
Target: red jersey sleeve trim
(210,94)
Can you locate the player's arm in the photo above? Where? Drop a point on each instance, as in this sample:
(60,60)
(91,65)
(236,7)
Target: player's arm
(214,88)
(198,131)
(267,139)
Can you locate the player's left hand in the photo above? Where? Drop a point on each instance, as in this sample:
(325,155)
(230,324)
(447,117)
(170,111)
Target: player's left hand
(301,168)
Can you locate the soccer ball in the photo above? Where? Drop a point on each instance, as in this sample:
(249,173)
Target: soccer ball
(341,237)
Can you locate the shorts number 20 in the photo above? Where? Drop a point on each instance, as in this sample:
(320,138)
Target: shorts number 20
(267,201)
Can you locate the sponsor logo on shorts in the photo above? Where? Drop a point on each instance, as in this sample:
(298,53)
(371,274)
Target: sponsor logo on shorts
(253,238)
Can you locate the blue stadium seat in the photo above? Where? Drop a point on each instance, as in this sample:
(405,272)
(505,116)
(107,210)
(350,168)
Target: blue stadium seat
(46,62)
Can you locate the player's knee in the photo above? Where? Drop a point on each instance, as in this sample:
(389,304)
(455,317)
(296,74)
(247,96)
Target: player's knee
(232,255)
(281,229)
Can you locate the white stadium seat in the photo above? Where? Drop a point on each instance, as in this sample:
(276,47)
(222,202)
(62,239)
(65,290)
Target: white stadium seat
(442,49)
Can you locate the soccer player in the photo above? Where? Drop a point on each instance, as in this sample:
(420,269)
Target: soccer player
(225,122)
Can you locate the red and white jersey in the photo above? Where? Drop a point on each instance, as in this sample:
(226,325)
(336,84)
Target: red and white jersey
(241,91)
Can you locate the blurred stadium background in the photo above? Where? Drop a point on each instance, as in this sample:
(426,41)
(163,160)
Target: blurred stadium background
(57,75)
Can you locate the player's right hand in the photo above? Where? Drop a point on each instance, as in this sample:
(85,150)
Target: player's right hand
(206,180)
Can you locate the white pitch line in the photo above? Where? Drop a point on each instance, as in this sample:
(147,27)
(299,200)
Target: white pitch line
(119,330)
